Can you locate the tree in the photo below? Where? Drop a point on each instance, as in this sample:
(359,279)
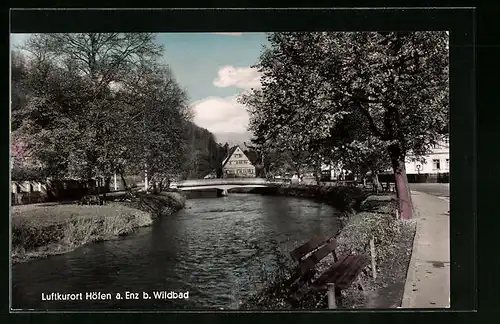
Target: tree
(206,155)
(90,63)
(157,117)
(397,81)
(368,156)
(95,104)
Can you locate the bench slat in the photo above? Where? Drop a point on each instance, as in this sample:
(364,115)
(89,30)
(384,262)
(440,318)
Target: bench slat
(354,269)
(332,273)
(317,256)
(343,272)
(312,244)
(305,267)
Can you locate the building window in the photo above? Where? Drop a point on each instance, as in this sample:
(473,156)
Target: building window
(447,164)
(436,164)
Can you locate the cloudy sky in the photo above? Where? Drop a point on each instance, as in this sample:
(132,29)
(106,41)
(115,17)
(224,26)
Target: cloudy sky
(214,68)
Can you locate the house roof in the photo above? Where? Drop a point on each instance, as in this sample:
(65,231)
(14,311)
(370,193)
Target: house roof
(230,152)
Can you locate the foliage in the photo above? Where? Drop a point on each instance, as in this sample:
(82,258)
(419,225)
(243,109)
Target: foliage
(206,154)
(92,104)
(396,83)
(311,81)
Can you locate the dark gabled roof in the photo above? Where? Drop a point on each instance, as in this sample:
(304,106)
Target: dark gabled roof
(228,155)
(230,152)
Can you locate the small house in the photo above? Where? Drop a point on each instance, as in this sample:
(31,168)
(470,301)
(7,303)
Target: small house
(237,165)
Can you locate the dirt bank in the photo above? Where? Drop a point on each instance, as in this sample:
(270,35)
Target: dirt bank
(393,241)
(48,229)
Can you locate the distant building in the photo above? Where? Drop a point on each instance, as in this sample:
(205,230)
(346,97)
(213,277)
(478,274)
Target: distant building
(237,165)
(437,162)
(435,167)
(333,171)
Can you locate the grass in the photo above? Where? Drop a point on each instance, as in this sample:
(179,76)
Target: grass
(393,238)
(48,229)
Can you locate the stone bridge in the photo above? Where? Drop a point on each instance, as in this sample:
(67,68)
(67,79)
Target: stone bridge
(223,185)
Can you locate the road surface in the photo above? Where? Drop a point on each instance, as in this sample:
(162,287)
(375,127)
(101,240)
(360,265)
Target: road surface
(428,278)
(434,189)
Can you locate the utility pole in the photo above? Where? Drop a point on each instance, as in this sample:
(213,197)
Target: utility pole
(116,185)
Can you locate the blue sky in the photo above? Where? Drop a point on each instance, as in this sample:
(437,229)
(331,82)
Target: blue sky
(213,68)
(196,58)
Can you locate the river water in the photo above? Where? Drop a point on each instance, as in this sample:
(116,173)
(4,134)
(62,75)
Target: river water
(219,250)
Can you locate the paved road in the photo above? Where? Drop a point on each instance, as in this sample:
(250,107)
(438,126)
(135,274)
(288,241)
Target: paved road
(434,189)
(428,278)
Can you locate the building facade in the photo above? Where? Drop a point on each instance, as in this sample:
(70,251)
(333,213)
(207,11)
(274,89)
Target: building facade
(237,165)
(437,162)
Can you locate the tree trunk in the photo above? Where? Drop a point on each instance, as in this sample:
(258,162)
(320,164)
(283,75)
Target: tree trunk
(107,184)
(123,181)
(408,188)
(318,178)
(401,183)
(376,183)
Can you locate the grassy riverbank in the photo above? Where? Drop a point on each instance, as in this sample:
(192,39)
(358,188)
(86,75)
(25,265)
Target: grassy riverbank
(393,241)
(48,229)
(344,199)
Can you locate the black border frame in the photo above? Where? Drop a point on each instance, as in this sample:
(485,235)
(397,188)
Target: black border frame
(460,22)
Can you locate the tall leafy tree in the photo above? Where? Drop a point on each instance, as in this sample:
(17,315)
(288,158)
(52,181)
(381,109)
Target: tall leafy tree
(397,81)
(94,104)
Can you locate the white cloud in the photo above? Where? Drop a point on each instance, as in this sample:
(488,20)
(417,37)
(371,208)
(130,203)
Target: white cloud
(240,77)
(229,34)
(221,115)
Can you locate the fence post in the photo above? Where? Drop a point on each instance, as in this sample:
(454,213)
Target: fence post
(331,296)
(374,256)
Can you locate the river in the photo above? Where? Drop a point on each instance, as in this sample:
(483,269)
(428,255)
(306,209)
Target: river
(218,250)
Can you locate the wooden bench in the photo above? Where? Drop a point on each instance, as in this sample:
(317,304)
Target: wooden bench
(338,276)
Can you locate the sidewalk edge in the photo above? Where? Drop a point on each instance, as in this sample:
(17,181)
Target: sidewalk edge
(408,294)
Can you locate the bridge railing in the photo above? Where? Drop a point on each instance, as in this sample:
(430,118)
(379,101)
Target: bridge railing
(226,181)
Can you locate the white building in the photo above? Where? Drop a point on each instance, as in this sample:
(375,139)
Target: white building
(436,162)
(336,170)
